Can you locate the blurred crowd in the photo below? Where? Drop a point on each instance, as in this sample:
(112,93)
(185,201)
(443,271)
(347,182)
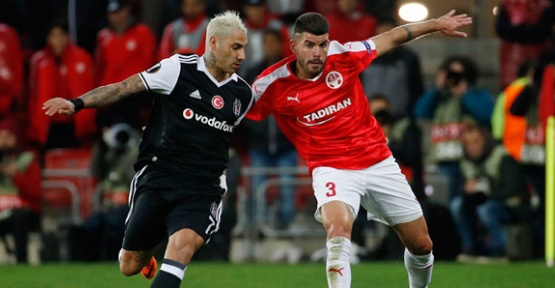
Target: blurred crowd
(490,148)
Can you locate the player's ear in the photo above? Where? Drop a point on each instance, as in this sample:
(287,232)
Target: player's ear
(213,43)
(293,45)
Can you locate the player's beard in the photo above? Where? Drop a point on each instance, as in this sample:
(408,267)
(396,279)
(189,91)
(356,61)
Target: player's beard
(313,72)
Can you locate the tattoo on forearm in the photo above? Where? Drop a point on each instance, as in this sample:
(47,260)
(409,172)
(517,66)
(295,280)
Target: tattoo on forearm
(112,93)
(409,32)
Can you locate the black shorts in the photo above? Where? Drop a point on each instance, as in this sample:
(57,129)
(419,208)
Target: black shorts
(160,206)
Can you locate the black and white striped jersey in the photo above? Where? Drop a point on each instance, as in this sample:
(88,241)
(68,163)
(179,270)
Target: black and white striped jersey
(193,117)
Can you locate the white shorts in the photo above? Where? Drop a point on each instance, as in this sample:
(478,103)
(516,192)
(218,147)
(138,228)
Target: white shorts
(381,189)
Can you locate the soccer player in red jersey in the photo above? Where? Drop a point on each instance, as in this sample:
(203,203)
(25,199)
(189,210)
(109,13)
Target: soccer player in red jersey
(317,99)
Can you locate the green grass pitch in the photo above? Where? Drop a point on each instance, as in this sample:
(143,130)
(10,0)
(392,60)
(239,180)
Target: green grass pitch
(220,275)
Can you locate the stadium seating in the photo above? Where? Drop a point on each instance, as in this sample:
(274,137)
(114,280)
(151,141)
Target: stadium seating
(67,181)
(66,195)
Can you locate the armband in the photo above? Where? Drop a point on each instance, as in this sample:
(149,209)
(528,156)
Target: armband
(409,32)
(78,104)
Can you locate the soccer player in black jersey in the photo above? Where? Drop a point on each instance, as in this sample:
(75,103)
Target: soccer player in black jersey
(180,179)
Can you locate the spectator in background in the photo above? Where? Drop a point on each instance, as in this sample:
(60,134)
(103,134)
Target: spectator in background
(350,22)
(524,28)
(11,70)
(381,9)
(258,18)
(288,10)
(494,195)
(396,75)
(20,178)
(268,147)
(517,124)
(84,18)
(286,7)
(124,48)
(324,7)
(112,164)
(454,102)
(404,138)
(64,70)
(272,43)
(186,34)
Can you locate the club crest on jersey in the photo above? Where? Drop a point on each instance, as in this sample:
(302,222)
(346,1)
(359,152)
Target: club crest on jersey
(80,67)
(334,79)
(217,102)
(324,115)
(237,107)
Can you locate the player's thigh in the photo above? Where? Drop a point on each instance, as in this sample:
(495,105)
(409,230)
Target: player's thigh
(389,197)
(199,213)
(330,184)
(145,222)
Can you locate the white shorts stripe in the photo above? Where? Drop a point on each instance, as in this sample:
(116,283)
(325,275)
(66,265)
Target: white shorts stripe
(132,192)
(215,222)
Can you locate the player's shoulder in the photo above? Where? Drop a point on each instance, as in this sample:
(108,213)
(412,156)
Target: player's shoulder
(274,72)
(242,88)
(187,59)
(242,82)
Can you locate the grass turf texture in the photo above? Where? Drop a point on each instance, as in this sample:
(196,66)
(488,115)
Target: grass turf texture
(216,275)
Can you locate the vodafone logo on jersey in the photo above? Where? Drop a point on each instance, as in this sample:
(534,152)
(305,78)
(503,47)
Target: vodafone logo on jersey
(324,115)
(189,114)
(334,79)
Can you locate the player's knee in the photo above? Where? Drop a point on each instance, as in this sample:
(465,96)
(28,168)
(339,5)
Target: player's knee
(129,269)
(128,266)
(339,228)
(421,246)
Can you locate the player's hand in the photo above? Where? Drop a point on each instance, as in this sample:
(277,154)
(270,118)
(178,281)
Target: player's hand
(449,24)
(58,106)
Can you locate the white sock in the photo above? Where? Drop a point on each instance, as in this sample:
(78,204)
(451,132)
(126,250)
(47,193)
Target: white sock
(338,269)
(120,254)
(419,268)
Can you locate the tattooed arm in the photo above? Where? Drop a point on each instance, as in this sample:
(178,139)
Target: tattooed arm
(447,24)
(95,98)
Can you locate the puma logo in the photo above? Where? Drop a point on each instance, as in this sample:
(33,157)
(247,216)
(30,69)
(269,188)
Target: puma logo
(296,98)
(336,270)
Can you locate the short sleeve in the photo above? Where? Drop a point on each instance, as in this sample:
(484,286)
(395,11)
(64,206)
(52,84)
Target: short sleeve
(162,77)
(362,52)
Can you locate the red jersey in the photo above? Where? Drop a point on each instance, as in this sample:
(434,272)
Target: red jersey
(341,26)
(75,72)
(119,56)
(11,68)
(327,118)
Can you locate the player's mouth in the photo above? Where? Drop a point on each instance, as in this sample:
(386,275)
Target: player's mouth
(315,63)
(236,66)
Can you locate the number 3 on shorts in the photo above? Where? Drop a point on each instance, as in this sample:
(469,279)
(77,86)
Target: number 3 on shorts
(331,189)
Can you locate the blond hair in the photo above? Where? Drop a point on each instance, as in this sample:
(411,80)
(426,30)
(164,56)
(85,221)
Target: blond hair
(224,24)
